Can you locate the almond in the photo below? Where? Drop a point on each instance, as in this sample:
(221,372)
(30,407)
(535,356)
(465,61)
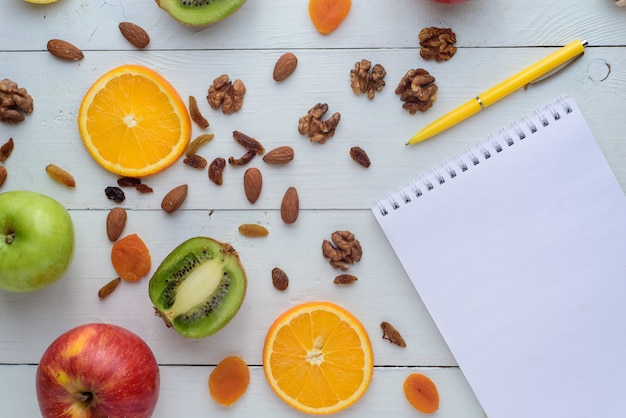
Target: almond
(64,50)
(134,34)
(174,199)
(61,176)
(280,155)
(252,184)
(285,66)
(116,221)
(290,206)
(3,175)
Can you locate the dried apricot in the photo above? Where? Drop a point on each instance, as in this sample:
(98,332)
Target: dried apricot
(421,392)
(326,15)
(229,380)
(131,258)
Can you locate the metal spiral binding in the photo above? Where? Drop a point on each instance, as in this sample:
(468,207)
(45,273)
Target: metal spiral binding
(475,155)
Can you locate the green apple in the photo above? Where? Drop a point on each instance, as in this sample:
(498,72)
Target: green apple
(36,240)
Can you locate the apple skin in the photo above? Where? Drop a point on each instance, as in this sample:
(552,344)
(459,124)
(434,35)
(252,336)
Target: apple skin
(36,240)
(97,370)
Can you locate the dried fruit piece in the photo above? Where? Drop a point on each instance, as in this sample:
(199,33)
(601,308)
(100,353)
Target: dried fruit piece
(422,393)
(279,155)
(327,15)
(115,223)
(3,175)
(195,161)
(174,198)
(229,380)
(115,194)
(14,102)
(252,184)
(134,34)
(6,149)
(243,160)
(345,279)
(391,334)
(108,288)
(216,170)
(64,50)
(130,258)
(197,142)
(249,143)
(144,188)
(285,66)
(196,115)
(61,176)
(280,280)
(253,230)
(290,206)
(359,155)
(128,182)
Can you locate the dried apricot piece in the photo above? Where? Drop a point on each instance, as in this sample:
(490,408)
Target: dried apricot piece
(229,380)
(131,258)
(326,15)
(421,392)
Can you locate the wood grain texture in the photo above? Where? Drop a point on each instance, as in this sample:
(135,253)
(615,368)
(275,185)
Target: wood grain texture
(495,39)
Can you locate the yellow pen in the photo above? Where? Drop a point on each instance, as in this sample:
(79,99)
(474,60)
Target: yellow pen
(501,90)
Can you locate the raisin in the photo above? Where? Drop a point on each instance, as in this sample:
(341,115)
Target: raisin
(359,155)
(391,334)
(345,279)
(115,194)
(144,188)
(280,280)
(243,160)
(128,182)
(248,142)
(216,168)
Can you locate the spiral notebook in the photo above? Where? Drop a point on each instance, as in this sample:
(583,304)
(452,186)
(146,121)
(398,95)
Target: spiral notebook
(517,247)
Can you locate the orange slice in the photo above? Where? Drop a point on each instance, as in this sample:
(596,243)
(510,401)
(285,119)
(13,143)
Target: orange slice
(318,358)
(133,122)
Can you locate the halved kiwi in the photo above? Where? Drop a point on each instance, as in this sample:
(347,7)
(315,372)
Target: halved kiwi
(199,287)
(200,12)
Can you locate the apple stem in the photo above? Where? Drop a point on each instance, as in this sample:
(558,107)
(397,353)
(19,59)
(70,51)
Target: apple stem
(84,396)
(10,237)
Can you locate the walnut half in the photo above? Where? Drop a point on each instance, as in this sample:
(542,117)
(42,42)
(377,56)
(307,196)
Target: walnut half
(317,129)
(344,249)
(417,90)
(437,43)
(227,94)
(367,79)
(14,102)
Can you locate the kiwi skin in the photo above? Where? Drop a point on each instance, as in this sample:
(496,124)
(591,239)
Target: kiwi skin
(199,287)
(200,12)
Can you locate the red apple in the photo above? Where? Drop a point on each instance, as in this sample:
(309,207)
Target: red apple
(97,370)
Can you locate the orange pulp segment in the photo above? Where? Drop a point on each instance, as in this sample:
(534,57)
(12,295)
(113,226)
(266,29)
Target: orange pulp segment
(133,122)
(318,358)
(326,15)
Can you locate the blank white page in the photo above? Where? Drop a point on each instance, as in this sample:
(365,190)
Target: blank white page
(521,262)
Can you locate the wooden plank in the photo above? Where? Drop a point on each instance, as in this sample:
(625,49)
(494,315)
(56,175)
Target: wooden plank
(184,392)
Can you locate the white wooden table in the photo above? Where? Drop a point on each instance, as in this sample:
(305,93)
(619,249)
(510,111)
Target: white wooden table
(495,39)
